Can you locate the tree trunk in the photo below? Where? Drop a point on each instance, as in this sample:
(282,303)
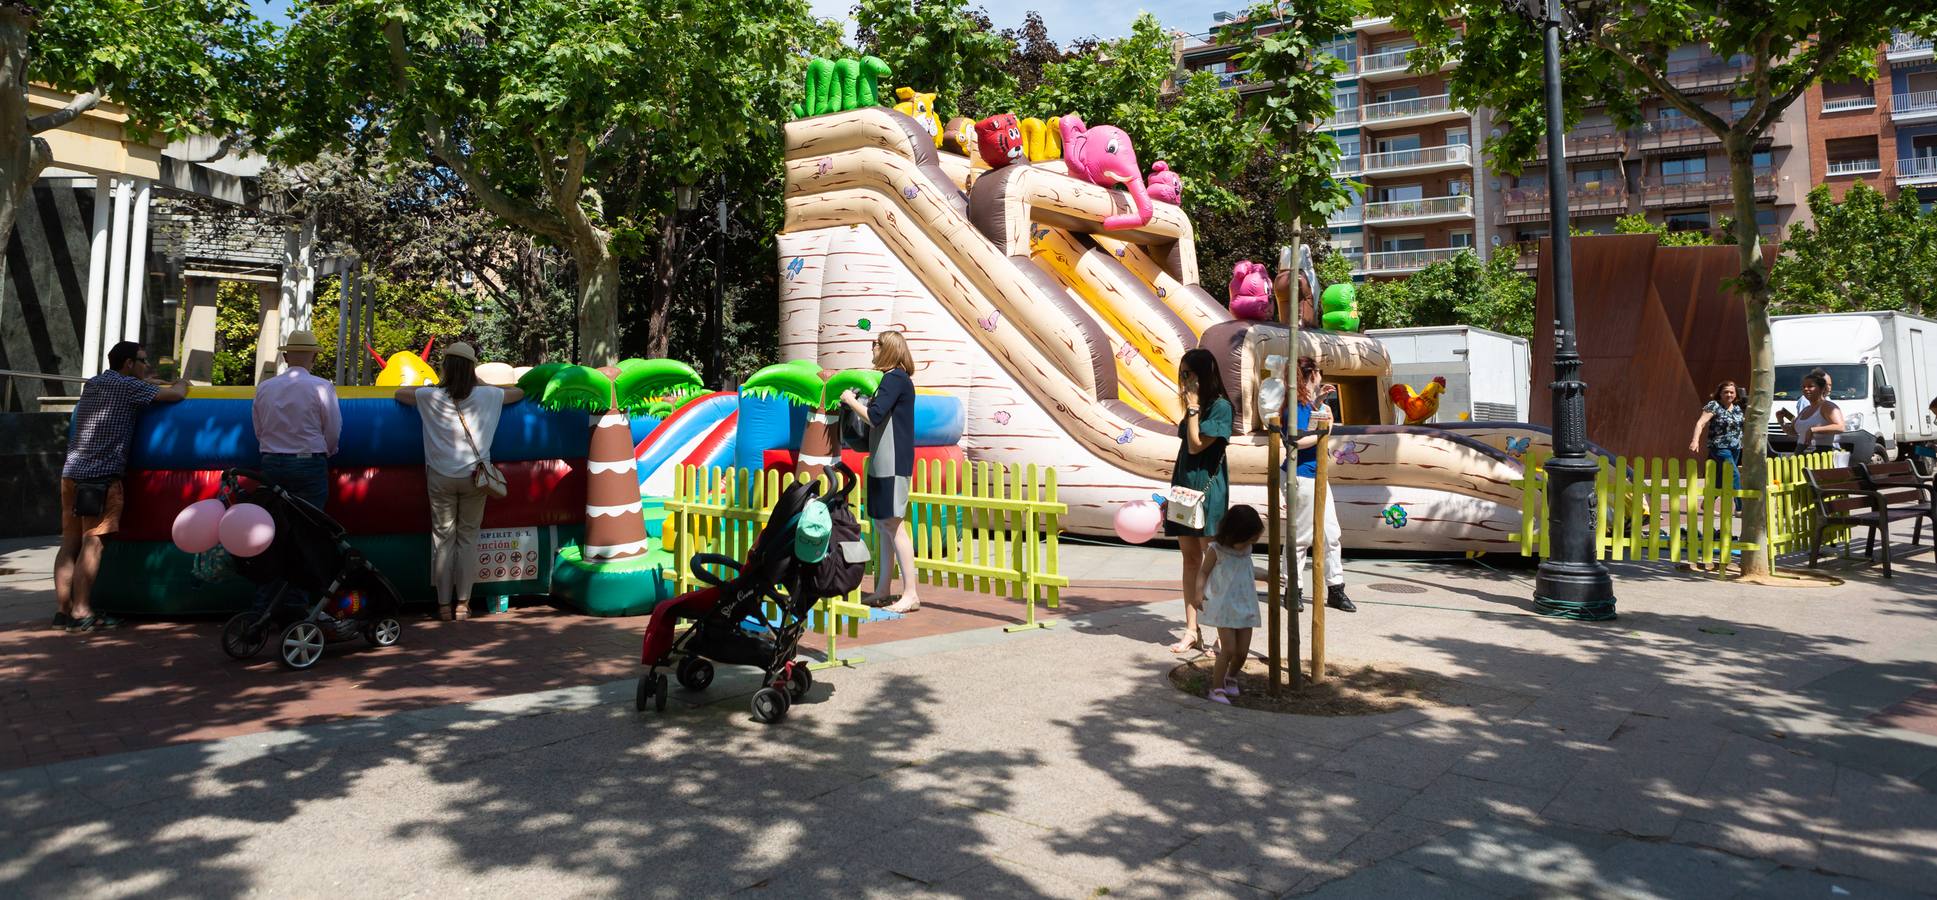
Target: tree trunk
(665,278)
(22,155)
(598,301)
(1753,285)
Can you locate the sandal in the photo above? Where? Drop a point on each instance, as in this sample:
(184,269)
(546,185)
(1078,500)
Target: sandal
(1187,644)
(1231,688)
(443,612)
(461,612)
(1217,695)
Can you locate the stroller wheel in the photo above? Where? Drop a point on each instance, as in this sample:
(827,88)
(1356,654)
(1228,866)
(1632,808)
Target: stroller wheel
(384,632)
(694,673)
(652,692)
(240,640)
(799,680)
(769,705)
(302,645)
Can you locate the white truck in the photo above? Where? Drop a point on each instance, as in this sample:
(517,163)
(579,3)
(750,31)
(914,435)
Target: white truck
(1882,368)
(1485,371)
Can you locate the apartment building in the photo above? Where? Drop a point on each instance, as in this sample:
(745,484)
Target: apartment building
(1882,133)
(1429,193)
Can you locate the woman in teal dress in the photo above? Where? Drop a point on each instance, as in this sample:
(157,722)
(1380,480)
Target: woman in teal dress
(1202,438)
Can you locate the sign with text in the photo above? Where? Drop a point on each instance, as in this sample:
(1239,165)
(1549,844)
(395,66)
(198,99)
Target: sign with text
(508,554)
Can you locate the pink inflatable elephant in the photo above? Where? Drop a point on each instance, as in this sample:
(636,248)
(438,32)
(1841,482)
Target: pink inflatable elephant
(1164,184)
(1103,155)
(1250,291)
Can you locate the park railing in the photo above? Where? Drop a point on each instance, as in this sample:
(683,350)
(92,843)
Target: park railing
(976,526)
(1675,510)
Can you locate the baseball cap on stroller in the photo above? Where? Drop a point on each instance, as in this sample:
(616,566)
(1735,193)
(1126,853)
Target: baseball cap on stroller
(729,615)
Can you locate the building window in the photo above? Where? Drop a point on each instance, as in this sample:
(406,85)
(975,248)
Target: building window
(1398,142)
(1410,92)
(1738,107)
(1399,192)
(1459,239)
(1344,48)
(1402,242)
(1345,100)
(1684,169)
(1458,187)
(1852,155)
(1689,220)
(1461,136)
(1348,146)
(1763,159)
(1923,146)
(1853,94)
(1765,222)
(1592,179)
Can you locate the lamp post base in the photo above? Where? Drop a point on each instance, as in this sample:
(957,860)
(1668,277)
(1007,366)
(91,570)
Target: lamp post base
(1574,590)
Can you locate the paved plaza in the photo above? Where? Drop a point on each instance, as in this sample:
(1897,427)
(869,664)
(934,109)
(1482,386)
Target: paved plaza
(1715,741)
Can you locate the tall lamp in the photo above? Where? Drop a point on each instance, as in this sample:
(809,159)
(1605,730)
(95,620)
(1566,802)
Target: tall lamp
(1571,583)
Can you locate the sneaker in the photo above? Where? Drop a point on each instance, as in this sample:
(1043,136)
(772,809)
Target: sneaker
(1217,696)
(878,601)
(1336,599)
(905,606)
(1231,688)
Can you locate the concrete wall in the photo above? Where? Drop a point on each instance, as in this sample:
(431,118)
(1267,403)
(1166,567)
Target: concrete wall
(32,448)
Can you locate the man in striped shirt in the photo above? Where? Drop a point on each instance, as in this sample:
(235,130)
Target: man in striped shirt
(91,491)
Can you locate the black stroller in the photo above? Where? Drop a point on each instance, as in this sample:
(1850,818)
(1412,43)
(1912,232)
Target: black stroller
(309,554)
(730,625)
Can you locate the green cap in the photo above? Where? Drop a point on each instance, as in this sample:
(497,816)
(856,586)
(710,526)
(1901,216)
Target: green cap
(813,532)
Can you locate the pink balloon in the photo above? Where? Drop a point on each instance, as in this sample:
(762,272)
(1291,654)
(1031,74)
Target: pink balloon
(1139,521)
(247,529)
(196,526)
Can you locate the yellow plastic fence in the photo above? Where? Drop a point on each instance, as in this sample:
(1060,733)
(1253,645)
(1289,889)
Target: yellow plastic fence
(1675,510)
(977,526)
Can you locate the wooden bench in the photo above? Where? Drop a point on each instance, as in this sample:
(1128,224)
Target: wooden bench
(1845,498)
(1905,494)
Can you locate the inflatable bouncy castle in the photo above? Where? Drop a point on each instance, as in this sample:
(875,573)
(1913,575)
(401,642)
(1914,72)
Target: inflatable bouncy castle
(1054,298)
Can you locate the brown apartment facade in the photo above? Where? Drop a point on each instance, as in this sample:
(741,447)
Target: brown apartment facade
(1882,133)
(1429,194)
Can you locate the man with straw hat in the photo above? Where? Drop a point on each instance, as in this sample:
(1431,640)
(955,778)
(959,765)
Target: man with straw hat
(297,424)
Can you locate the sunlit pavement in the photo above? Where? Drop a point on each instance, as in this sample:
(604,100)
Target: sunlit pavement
(1714,741)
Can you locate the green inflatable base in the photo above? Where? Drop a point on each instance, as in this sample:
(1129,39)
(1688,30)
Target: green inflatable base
(629,587)
(154,578)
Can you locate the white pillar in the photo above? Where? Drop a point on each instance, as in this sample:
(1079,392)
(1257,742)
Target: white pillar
(198,338)
(97,277)
(268,333)
(137,262)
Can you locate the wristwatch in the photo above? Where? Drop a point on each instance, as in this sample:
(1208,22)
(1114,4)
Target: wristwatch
(1191,410)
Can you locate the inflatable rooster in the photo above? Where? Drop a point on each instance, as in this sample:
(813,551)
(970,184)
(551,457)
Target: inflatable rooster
(1419,407)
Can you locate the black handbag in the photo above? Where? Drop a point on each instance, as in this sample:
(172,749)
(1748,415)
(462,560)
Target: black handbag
(854,431)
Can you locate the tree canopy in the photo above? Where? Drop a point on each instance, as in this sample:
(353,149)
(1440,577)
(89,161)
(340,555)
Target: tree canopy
(1457,291)
(1864,253)
(936,45)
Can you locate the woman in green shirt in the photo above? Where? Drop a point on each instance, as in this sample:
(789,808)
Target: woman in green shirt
(1202,437)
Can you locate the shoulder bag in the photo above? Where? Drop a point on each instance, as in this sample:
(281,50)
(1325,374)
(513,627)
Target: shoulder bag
(486,475)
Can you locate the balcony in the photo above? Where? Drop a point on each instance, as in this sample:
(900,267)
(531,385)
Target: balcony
(1664,135)
(1869,166)
(1848,104)
(1916,171)
(1530,204)
(1423,159)
(1349,217)
(1906,47)
(1394,64)
(1416,110)
(1403,262)
(1678,190)
(1590,142)
(1918,107)
(1356,255)
(1344,118)
(1707,73)
(1346,166)
(1423,211)
(1526,254)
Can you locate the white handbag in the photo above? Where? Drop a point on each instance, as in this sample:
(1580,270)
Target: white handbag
(1185,507)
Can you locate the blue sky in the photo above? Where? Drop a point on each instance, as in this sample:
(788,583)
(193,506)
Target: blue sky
(1066,19)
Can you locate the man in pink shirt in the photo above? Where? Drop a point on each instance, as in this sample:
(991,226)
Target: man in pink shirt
(298,423)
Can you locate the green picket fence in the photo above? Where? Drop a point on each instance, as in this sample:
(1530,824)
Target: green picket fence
(976,526)
(1675,510)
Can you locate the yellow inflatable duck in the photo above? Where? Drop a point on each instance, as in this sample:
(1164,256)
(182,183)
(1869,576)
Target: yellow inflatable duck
(404,368)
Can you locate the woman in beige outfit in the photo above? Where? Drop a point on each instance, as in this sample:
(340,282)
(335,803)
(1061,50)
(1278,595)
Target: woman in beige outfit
(460,416)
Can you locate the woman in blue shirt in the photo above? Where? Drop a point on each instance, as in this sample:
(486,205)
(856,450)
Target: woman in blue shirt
(890,415)
(1312,392)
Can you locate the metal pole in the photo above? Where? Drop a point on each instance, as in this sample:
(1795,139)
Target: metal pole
(1571,583)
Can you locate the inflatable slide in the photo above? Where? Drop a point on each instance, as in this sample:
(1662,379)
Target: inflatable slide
(1062,337)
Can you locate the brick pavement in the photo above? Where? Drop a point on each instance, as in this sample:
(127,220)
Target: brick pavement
(157,683)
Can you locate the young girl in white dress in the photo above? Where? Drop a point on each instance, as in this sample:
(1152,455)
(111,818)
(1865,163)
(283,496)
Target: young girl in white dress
(1230,593)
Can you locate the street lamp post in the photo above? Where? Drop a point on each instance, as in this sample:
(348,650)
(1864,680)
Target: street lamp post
(1571,583)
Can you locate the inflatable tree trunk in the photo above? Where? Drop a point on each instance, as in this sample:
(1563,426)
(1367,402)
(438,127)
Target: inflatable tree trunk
(614,526)
(820,444)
